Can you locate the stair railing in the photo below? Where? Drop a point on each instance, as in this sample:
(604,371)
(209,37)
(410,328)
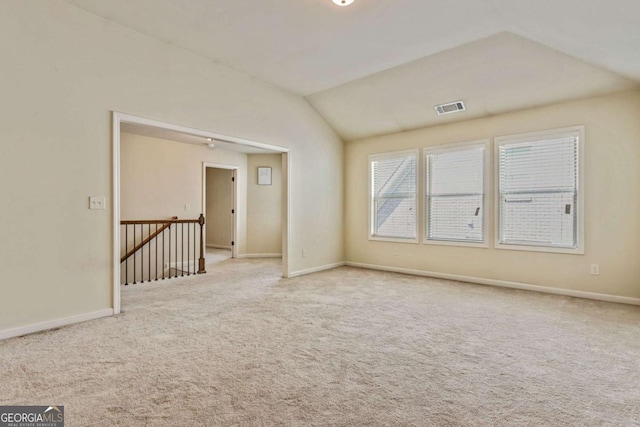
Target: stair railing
(161,249)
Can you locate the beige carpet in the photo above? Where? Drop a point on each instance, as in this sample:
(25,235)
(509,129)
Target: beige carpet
(215,256)
(348,347)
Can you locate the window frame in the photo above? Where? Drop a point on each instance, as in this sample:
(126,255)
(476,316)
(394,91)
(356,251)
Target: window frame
(392,155)
(486,205)
(578,131)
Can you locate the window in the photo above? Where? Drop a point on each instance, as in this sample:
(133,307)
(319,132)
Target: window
(393,196)
(540,195)
(455,194)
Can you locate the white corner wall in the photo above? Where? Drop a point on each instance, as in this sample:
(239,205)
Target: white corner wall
(64,71)
(612,203)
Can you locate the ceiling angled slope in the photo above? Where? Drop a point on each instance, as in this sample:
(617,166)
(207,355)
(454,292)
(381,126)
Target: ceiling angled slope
(601,32)
(308,46)
(494,75)
(304,46)
(378,67)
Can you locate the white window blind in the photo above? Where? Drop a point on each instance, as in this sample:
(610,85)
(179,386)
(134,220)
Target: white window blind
(393,195)
(455,200)
(538,185)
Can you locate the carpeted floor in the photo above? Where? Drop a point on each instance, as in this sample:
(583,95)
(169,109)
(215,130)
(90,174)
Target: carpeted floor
(216,256)
(348,347)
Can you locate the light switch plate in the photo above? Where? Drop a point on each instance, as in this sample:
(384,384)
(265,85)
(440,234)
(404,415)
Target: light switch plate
(97,203)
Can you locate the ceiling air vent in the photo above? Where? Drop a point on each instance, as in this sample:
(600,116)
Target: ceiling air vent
(451,107)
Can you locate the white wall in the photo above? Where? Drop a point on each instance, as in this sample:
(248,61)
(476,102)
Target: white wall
(612,199)
(264,206)
(63,71)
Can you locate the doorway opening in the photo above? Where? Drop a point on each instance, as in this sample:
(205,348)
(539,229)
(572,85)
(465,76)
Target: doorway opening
(177,190)
(219,198)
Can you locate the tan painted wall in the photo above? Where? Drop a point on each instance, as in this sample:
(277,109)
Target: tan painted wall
(264,206)
(158,177)
(612,185)
(63,71)
(219,205)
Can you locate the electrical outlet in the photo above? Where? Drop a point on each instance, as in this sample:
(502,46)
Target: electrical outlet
(595,269)
(187,207)
(304,253)
(97,203)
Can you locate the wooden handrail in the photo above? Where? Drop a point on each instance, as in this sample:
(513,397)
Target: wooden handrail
(167,224)
(173,220)
(159,231)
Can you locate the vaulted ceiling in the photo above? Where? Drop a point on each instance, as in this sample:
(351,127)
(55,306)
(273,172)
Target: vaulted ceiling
(379,66)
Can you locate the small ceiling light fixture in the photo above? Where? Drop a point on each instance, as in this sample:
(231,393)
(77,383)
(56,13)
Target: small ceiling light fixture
(210,141)
(343,2)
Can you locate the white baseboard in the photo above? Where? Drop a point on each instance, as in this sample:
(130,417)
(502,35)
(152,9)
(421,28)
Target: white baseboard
(501,283)
(56,323)
(219,246)
(316,269)
(259,255)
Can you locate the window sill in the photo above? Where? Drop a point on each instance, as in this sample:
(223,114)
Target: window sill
(393,240)
(459,244)
(570,251)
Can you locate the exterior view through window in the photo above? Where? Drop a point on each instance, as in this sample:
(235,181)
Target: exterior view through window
(538,186)
(393,195)
(455,199)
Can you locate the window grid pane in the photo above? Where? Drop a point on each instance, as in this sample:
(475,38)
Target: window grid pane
(539,193)
(394,197)
(455,195)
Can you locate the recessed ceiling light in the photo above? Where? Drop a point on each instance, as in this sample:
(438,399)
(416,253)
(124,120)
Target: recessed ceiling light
(343,2)
(210,139)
